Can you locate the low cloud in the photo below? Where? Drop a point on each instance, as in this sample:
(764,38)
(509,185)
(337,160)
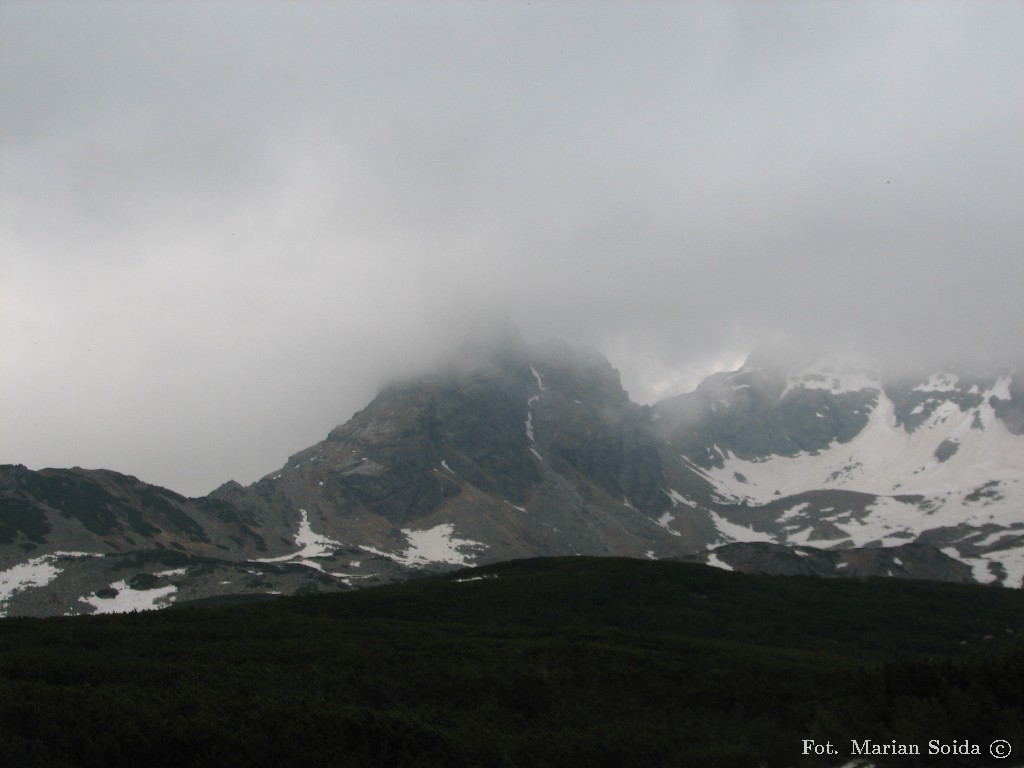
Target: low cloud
(223,231)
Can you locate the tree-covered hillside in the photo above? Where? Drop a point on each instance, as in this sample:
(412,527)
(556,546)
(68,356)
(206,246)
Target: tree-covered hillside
(573,661)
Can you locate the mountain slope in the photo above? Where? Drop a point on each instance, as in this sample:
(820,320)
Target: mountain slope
(509,451)
(104,511)
(519,454)
(830,456)
(505,452)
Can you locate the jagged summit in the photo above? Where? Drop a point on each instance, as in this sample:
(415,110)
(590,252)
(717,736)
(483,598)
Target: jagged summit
(546,433)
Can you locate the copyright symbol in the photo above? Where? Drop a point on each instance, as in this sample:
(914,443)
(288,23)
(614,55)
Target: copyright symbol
(1000,748)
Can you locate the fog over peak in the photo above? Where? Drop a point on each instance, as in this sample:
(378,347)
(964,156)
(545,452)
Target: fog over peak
(224,227)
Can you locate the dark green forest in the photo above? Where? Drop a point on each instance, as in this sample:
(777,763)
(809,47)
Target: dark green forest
(549,662)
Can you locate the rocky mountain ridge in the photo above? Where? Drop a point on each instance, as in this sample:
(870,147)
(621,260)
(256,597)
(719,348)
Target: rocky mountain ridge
(511,451)
(836,456)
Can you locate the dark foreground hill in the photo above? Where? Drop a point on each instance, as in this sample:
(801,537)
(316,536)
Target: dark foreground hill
(566,661)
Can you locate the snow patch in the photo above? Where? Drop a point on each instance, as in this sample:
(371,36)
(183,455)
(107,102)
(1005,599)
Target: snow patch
(836,373)
(475,578)
(715,562)
(1001,388)
(127,599)
(730,532)
(37,572)
(664,521)
(433,545)
(438,545)
(538,377)
(793,512)
(529,416)
(992,538)
(939,382)
(802,537)
(174,572)
(884,459)
(678,498)
(888,521)
(1011,560)
(310,544)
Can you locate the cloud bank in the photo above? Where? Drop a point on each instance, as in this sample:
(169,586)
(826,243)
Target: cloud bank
(222,227)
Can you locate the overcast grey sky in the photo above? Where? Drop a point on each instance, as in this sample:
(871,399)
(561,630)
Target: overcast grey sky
(223,225)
